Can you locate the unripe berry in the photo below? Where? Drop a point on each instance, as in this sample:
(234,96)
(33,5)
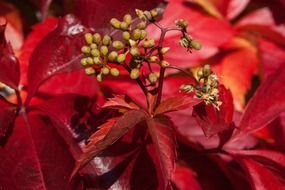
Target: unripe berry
(200,73)
(153,13)
(85,49)
(164,63)
(134,51)
(118,45)
(135,73)
(164,50)
(97,60)
(152,77)
(141,25)
(153,59)
(206,70)
(121,58)
(88,38)
(128,19)
(105,70)
(89,60)
(136,34)
(132,43)
(115,72)
(195,44)
(141,15)
(104,50)
(124,26)
(99,78)
(83,62)
(106,40)
(148,43)
(93,46)
(89,71)
(181,23)
(95,53)
(115,23)
(126,35)
(97,38)
(143,34)
(113,56)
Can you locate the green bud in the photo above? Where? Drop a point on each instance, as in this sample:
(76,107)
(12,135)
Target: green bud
(126,35)
(164,50)
(141,15)
(95,53)
(97,38)
(206,70)
(105,70)
(88,38)
(118,45)
(134,51)
(104,50)
(99,78)
(200,73)
(121,58)
(115,23)
(136,34)
(106,40)
(141,25)
(152,77)
(84,61)
(148,43)
(97,60)
(135,73)
(124,26)
(143,34)
(113,56)
(153,13)
(181,23)
(195,44)
(132,43)
(89,71)
(89,60)
(153,59)
(164,63)
(128,19)
(85,49)
(93,46)
(115,72)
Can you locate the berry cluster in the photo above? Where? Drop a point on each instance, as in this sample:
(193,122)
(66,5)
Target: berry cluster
(206,87)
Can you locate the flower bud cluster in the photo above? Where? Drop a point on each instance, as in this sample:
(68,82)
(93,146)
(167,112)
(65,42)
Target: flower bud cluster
(207,88)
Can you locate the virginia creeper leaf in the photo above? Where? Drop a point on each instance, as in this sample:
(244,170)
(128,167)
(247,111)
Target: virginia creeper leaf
(121,101)
(8,114)
(108,134)
(58,52)
(162,135)
(175,104)
(10,70)
(265,105)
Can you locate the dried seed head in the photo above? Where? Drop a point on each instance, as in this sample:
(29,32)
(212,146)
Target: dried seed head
(135,73)
(114,72)
(115,23)
(88,38)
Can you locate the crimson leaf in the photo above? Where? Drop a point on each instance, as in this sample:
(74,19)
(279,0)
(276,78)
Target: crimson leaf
(58,52)
(108,134)
(163,138)
(121,101)
(10,70)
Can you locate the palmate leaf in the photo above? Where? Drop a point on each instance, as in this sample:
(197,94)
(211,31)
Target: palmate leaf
(108,134)
(121,101)
(163,138)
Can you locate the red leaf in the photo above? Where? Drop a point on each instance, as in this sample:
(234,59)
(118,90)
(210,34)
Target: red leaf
(261,178)
(163,138)
(215,121)
(35,157)
(108,134)
(175,104)
(97,14)
(8,114)
(58,52)
(10,71)
(121,101)
(265,105)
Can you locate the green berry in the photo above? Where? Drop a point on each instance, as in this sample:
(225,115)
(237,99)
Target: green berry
(128,19)
(89,60)
(136,34)
(106,40)
(104,50)
(164,63)
(164,50)
(134,51)
(143,34)
(153,13)
(206,70)
(152,77)
(97,38)
(148,43)
(118,45)
(114,72)
(88,38)
(126,35)
(99,78)
(124,26)
(89,71)
(84,61)
(97,60)
(85,49)
(195,44)
(135,73)
(121,58)
(153,59)
(113,56)
(141,25)
(105,70)
(93,46)
(95,52)
(115,23)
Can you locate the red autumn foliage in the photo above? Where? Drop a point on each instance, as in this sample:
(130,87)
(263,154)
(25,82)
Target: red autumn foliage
(61,129)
